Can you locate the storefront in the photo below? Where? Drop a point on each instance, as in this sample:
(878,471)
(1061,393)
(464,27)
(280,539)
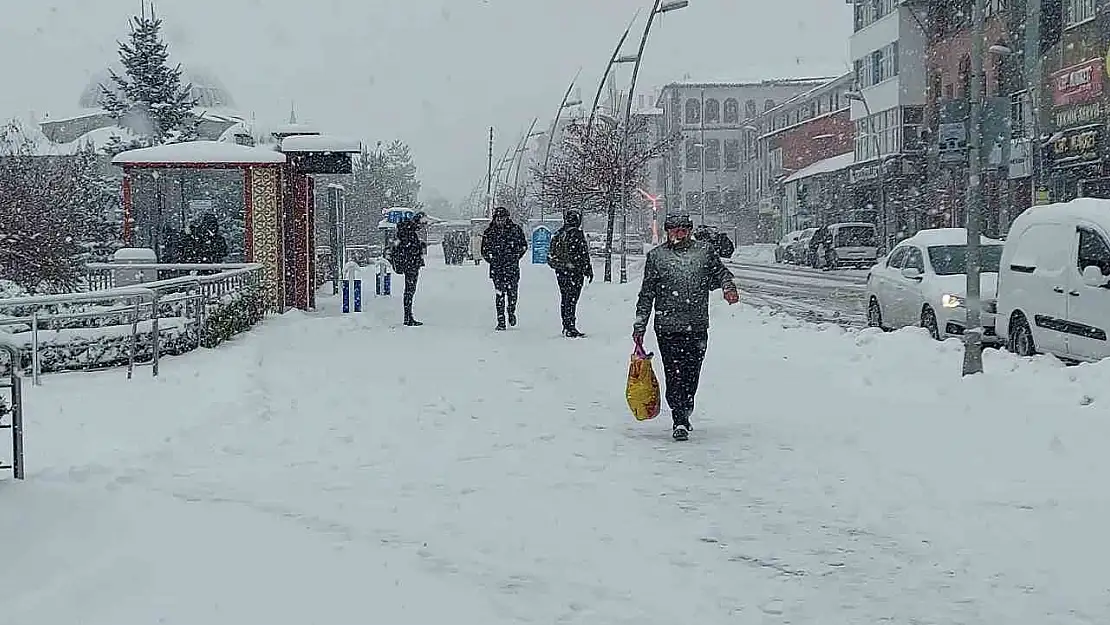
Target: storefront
(1077,147)
(888,194)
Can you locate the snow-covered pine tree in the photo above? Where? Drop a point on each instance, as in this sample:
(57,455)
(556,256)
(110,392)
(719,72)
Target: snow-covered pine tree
(149,98)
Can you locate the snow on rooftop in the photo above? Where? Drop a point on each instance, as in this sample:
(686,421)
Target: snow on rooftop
(319,143)
(826,166)
(200,152)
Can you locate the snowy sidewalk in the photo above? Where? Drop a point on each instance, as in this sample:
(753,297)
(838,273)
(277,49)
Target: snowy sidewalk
(331,469)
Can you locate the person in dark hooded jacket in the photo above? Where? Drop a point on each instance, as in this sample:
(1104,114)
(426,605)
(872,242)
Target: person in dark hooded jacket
(569,256)
(204,244)
(503,245)
(407,258)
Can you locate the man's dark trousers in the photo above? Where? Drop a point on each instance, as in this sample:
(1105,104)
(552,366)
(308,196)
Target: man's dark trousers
(683,354)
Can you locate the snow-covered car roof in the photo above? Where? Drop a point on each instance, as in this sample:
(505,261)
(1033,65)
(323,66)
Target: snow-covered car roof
(944,236)
(1091,209)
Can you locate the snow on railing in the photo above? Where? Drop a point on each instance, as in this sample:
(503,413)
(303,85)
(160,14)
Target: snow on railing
(102,327)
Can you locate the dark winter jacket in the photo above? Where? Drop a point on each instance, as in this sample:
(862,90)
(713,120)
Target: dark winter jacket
(573,257)
(503,246)
(408,254)
(677,282)
(205,244)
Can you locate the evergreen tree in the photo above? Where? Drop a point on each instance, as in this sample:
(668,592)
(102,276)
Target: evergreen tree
(149,98)
(52,213)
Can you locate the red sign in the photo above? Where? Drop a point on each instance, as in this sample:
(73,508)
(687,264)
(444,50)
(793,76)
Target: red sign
(1077,84)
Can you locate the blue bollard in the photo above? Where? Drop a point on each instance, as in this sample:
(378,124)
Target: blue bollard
(358,295)
(387,283)
(346,296)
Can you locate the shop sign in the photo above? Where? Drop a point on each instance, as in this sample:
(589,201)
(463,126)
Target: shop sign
(1021,158)
(1077,84)
(870,171)
(1077,146)
(1080,115)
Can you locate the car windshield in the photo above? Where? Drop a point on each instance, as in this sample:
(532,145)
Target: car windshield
(949,260)
(855,236)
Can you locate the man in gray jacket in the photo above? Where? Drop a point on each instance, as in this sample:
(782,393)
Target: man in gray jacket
(678,277)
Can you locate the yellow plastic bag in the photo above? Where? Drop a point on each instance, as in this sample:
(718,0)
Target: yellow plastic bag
(643,387)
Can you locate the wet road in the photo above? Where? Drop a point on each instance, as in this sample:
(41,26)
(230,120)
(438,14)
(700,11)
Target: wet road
(809,294)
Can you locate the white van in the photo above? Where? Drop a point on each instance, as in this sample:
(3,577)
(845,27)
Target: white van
(1054,281)
(854,243)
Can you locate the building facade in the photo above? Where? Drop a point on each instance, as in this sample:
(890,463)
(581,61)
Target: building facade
(705,174)
(809,128)
(887,48)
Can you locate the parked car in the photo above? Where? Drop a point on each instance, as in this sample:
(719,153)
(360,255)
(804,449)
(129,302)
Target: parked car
(799,249)
(1054,287)
(853,243)
(923,281)
(784,252)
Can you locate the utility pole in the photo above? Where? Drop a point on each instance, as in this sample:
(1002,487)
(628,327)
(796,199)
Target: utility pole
(973,336)
(489,177)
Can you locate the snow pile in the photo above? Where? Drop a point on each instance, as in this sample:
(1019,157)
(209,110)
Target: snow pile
(756,253)
(333,469)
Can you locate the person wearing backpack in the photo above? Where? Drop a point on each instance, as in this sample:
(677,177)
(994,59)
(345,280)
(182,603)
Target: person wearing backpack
(569,256)
(407,257)
(503,245)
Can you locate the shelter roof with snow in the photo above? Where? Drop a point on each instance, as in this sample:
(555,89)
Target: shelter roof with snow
(199,153)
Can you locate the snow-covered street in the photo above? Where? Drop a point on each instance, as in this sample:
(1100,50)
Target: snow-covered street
(341,469)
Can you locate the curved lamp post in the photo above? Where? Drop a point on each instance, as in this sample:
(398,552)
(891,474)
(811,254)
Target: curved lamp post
(659,7)
(613,60)
(563,105)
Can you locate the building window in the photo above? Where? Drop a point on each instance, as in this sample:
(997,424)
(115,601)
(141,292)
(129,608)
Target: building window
(732,111)
(751,111)
(1021,115)
(713,154)
(880,134)
(870,11)
(768,105)
(713,200)
(1078,11)
(874,68)
(995,7)
(712,112)
(693,155)
(693,111)
(732,154)
(693,203)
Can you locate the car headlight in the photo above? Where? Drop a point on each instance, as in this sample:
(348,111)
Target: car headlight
(951,301)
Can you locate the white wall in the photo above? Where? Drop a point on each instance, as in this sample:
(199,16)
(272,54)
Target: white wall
(875,36)
(911,62)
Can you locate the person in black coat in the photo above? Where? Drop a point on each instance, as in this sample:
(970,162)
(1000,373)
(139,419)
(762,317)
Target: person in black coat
(407,259)
(569,256)
(503,245)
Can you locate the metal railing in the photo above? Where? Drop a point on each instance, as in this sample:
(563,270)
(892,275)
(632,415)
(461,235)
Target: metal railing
(14,412)
(187,298)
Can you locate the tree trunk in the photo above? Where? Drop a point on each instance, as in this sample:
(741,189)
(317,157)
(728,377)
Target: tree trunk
(612,216)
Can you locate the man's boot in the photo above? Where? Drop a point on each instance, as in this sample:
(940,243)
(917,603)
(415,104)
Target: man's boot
(512,309)
(499,302)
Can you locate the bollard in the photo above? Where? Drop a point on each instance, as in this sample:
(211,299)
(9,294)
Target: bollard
(358,295)
(346,296)
(382,280)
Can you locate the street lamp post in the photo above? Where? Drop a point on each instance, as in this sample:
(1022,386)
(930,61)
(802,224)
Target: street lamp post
(859,97)
(613,60)
(564,104)
(658,8)
(973,336)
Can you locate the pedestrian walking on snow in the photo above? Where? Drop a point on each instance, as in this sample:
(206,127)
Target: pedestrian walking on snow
(678,278)
(407,257)
(569,256)
(503,245)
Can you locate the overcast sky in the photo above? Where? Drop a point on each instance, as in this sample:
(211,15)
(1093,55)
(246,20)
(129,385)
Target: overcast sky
(435,73)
